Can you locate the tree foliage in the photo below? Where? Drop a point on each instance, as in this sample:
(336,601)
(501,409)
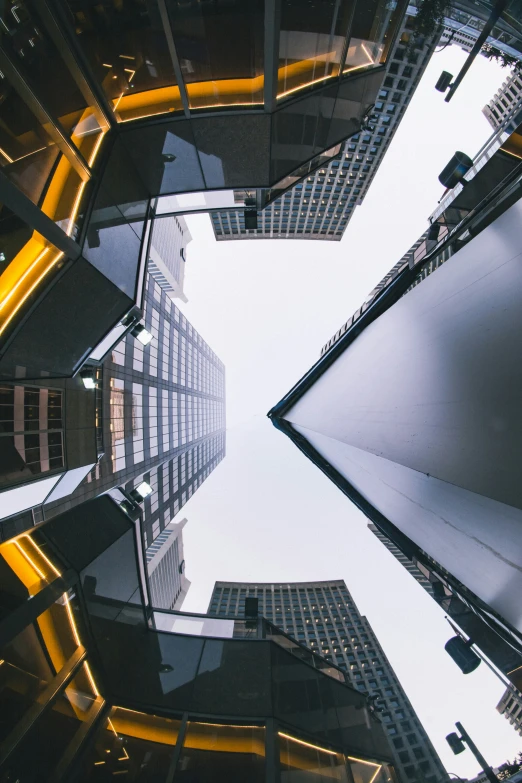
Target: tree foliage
(503,59)
(510,767)
(430,16)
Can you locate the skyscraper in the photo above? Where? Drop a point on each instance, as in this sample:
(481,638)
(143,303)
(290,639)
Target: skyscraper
(394,411)
(505,101)
(510,706)
(324,617)
(161,416)
(321,205)
(413,568)
(97,686)
(168,254)
(166,567)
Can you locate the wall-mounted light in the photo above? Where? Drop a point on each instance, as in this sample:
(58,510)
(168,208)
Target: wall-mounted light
(88,379)
(141,334)
(141,492)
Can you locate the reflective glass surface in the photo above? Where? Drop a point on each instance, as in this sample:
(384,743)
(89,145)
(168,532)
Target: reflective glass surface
(364,771)
(41,749)
(213,753)
(311,43)
(40,61)
(127,51)
(24,673)
(370,35)
(220,49)
(305,762)
(26,567)
(132,744)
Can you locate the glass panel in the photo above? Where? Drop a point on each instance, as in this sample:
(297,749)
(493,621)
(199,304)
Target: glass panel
(311,43)
(213,753)
(364,771)
(43,746)
(25,569)
(133,744)
(370,35)
(59,632)
(28,447)
(217,73)
(197,625)
(127,51)
(24,673)
(40,61)
(302,761)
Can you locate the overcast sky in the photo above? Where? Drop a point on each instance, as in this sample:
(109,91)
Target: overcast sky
(266,513)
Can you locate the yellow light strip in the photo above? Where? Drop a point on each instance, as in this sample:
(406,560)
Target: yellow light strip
(31,563)
(22,278)
(42,555)
(112,727)
(71,620)
(308,744)
(125,757)
(363,761)
(143,116)
(6,156)
(96,763)
(376,773)
(29,292)
(226,725)
(306,84)
(91,679)
(96,148)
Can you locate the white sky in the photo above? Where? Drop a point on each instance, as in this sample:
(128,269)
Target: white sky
(266,513)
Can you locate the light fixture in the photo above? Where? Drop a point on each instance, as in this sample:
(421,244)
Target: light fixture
(141,334)
(141,492)
(88,379)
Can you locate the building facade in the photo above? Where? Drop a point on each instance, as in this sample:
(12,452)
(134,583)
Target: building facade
(168,254)
(414,568)
(324,617)
(510,706)
(465,20)
(165,558)
(507,100)
(321,205)
(163,415)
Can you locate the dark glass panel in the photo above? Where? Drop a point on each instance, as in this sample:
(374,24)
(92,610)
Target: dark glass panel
(213,753)
(371,34)
(305,762)
(297,698)
(127,51)
(24,673)
(41,63)
(233,678)
(311,43)
(131,744)
(366,771)
(217,73)
(41,749)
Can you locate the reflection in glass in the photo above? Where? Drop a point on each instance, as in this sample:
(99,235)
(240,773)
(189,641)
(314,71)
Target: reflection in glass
(214,753)
(311,43)
(132,744)
(25,569)
(41,63)
(220,49)
(24,673)
(303,761)
(127,51)
(41,749)
(371,35)
(366,771)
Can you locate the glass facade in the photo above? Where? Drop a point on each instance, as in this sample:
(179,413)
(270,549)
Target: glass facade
(92,690)
(323,617)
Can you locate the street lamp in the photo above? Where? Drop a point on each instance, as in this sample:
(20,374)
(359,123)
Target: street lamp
(457,745)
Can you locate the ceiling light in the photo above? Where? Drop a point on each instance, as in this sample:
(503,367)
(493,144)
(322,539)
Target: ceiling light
(141,334)
(87,377)
(143,490)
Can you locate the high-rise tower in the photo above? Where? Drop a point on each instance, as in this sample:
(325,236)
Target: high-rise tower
(324,617)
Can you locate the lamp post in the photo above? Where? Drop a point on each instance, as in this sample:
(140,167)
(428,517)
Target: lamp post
(456,743)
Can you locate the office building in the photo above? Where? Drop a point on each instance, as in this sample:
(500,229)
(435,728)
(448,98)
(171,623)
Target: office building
(408,411)
(510,706)
(97,686)
(168,254)
(168,585)
(507,100)
(457,603)
(323,617)
(319,206)
(414,568)
(464,20)
(162,415)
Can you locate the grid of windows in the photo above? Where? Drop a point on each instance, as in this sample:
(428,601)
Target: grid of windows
(321,206)
(163,415)
(324,617)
